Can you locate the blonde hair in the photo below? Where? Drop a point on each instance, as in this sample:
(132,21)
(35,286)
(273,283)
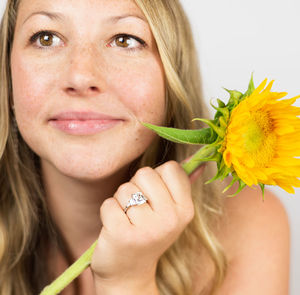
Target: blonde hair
(25,223)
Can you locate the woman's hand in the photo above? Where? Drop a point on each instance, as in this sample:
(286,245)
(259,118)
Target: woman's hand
(130,245)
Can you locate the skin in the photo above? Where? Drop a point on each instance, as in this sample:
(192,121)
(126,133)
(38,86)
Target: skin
(84,70)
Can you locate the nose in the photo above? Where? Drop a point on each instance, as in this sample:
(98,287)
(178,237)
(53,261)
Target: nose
(84,77)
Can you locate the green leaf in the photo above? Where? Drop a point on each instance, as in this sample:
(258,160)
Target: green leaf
(198,136)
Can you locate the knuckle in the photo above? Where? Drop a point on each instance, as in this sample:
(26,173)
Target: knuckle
(142,172)
(170,165)
(123,188)
(170,223)
(107,203)
(173,164)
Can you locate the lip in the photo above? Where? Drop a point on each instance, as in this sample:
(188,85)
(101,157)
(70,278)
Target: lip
(83,123)
(82,115)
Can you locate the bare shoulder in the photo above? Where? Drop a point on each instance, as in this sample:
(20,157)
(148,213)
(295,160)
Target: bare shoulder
(256,238)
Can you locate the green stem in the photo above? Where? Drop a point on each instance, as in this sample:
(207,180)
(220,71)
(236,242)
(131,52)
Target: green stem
(84,260)
(70,273)
(198,158)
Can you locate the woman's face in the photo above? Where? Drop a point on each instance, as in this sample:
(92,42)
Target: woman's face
(95,56)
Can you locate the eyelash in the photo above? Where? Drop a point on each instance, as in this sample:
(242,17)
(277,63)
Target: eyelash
(36,35)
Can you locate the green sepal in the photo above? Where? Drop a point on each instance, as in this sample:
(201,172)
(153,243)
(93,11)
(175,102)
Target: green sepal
(226,170)
(241,187)
(210,123)
(262,187)
(250,89)
(223,167)
(222,173)
(234,179)
(198,136)
(235,97)
(221,103)
(220,111)
(213,178)
(223,123)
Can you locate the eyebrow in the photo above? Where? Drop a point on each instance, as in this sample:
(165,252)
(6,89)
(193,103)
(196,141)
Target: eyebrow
(60,17)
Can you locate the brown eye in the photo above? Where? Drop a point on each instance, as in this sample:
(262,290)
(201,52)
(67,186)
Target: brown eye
(128,42)
(123,41)
(46,39)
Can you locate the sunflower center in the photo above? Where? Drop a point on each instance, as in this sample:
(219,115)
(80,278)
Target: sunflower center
(259,138)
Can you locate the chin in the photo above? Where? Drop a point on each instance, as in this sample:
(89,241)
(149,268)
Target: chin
(87,171)
(92,160)
(87,168)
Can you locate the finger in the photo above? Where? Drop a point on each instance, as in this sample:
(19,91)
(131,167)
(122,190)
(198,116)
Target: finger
(177,181)
(112,215)
(135,214)
(150,182)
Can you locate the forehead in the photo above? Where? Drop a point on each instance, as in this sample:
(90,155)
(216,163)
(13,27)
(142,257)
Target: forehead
(80,7)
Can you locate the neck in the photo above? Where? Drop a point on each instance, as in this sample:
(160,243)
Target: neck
(74,205)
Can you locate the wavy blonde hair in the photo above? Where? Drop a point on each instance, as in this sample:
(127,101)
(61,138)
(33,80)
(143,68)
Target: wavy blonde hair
(25,223)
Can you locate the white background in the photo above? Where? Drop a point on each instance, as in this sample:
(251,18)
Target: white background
(237,37)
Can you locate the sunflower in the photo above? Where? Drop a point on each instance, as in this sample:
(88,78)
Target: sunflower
(255,138)
(262,139)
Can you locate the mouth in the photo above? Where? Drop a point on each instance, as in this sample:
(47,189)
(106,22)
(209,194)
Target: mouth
(83,123)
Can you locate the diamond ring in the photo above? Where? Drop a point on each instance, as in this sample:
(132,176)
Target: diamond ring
(136,199)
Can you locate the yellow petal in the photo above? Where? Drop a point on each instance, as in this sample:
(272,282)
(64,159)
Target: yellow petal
(262,139)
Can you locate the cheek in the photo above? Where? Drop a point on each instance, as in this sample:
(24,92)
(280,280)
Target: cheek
(142,91)
(31,87)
